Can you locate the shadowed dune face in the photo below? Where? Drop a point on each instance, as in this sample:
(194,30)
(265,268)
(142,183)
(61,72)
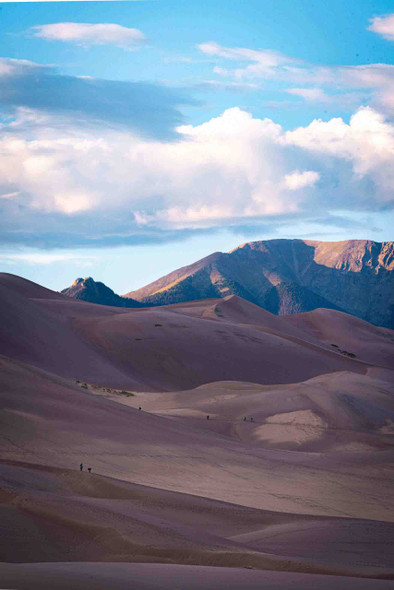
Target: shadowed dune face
(293,471)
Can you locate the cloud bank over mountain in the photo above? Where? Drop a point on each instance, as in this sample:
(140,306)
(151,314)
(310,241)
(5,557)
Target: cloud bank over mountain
(70,162)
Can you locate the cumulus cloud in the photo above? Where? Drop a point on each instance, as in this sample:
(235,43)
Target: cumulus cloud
(367,142)
(150,109)
(384,26)
(113,185)
(90,34)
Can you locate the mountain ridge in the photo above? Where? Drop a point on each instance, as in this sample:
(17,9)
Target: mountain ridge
(290,276)
(282,276)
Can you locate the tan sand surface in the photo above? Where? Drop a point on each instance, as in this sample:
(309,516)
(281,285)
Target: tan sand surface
(293,471)
(49,514)
(46,419)
(324,413)
(133,576)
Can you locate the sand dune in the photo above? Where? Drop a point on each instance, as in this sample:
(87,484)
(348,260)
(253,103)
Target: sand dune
(159,348)
(339,332)
(370,343)
(334,412)
(47,420)
(106,576)
(51,514)
(306,487)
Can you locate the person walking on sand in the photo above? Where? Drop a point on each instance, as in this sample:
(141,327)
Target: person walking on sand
(89,469)
(81,467)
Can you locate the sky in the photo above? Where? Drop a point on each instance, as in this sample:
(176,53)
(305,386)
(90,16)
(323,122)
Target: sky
(139,136)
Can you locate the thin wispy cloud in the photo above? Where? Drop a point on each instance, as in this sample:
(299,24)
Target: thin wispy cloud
(318,96)
(263,62)
(87,34)
(375,81)
(46,258)
(312,94)
(222,85)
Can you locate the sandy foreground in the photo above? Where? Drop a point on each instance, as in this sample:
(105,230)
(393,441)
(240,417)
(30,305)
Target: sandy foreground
(292,474)
(106,576)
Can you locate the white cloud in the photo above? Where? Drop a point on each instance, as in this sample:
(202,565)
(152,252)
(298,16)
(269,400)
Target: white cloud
(367,142)
(223,172)
(267,57)
(9,66)
(297,180)
(383,25)
(90,34)
(73,202)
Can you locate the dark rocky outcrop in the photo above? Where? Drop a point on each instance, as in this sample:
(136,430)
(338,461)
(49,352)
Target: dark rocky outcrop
(96,292)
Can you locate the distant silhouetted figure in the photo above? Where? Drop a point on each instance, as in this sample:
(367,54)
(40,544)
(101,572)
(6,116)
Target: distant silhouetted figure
(81,467)
(140,408)
(208,417)
(89,469)
(244,418)
(251,419)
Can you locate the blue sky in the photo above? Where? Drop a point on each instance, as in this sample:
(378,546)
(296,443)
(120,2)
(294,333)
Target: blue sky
(137,136)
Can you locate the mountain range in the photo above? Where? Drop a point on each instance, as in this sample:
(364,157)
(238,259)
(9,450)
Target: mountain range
(282,276)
